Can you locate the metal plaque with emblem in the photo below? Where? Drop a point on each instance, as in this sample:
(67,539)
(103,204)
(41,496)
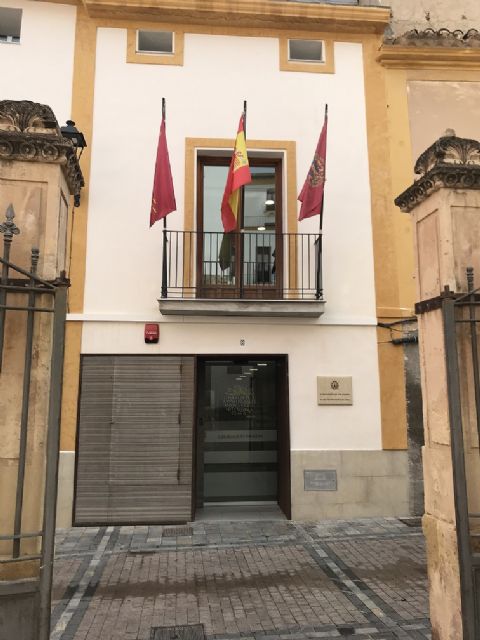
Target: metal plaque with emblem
(334,390)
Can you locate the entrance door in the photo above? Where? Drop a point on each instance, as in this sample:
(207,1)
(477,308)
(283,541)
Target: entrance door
(242,436)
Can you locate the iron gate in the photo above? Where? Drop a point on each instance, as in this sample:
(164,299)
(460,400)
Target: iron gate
(24,293)
(461,316)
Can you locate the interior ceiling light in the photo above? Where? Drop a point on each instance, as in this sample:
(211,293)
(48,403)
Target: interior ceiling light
(261,364)
(269,202)
(261,228)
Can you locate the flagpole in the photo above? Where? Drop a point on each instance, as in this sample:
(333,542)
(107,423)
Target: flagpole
(164,292)
(319,283)
(242,209)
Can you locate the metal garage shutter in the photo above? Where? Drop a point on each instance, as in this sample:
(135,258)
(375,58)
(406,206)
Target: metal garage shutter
(135,439)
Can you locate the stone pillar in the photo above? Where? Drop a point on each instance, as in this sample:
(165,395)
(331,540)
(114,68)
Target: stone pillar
(445,207)
(39,172)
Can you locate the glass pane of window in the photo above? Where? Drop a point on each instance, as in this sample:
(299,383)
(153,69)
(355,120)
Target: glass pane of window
(218,248)
(10,24)
(155,41)
(259,226)
(240,432)
(305,50)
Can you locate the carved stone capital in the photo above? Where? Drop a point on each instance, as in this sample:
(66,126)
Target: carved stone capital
(29,132)
(450,162)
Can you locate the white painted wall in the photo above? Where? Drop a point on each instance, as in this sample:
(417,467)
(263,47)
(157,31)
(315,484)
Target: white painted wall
(204,99)
(312,351)
(40,68)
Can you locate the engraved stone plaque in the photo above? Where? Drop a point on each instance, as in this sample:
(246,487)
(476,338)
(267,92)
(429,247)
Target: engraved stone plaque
(320,480)
(334,390)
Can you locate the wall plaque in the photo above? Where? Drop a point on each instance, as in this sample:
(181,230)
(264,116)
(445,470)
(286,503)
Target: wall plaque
(320,480)
(334,390)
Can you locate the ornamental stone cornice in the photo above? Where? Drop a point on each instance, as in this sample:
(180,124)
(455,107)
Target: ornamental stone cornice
(450,162)
(29,132)
(263,14)
(430,49)
(436,38)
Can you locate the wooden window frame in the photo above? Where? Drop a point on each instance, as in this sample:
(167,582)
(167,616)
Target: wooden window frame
(276,291)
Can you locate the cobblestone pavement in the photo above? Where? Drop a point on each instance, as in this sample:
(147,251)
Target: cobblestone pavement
(362,579)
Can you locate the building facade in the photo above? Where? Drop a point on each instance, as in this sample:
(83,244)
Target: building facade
(234,402)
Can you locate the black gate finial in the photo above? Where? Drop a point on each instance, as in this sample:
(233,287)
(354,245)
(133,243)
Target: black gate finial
(9,228)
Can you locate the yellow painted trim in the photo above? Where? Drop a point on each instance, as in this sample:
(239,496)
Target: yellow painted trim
(395,312)
(395,57)
(133,56)
(393,400)
(392,248)
(192,145)
(249,13)
(327,66)
(82,113)
(226,30)
(446,75)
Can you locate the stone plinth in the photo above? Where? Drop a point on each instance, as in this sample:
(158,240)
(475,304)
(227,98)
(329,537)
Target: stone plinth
(445,206)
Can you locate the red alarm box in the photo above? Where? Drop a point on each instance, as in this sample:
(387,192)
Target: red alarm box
(152,333)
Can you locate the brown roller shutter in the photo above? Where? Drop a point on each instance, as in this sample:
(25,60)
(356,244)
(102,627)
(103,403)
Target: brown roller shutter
(135,440)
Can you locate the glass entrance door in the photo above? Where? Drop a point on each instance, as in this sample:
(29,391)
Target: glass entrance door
(238,432)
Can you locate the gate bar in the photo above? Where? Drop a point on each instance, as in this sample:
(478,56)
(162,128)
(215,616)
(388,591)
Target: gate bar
(458,464)
(473,342)
(52,450)
(48,285)
(27,371)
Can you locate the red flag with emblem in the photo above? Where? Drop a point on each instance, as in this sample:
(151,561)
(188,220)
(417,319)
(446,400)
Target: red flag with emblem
(311,196)
(163,196)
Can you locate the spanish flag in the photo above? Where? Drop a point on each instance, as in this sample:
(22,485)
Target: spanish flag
(238,176)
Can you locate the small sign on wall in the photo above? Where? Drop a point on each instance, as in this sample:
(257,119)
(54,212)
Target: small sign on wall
(334,390)
(319,480)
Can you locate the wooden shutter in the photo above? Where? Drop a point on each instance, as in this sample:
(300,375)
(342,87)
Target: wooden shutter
(135,439)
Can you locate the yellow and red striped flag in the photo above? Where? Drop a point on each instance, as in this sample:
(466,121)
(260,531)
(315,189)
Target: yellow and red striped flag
(238,176)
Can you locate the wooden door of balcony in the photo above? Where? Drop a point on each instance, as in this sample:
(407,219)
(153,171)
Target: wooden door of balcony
(248,262)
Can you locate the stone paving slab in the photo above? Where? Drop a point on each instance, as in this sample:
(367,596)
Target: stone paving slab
(362,579)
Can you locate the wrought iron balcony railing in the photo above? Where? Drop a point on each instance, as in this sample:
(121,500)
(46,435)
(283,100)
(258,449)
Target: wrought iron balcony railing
(249,265)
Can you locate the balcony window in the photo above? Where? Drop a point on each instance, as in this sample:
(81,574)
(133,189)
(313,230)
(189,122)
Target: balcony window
(264,267)
(246,263)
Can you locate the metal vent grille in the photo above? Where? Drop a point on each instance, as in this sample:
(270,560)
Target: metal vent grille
(186,632)
(173,532)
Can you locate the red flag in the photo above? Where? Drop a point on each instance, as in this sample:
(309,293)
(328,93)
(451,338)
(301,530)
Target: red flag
(163,197)
(311,196)
(238,175)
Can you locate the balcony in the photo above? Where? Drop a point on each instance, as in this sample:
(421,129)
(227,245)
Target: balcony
(250,273)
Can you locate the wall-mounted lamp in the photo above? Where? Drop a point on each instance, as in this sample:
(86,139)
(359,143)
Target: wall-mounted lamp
(77,138)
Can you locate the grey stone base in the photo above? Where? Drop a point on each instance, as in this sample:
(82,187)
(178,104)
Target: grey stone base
(368,484)
(19,607)
(66,477)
